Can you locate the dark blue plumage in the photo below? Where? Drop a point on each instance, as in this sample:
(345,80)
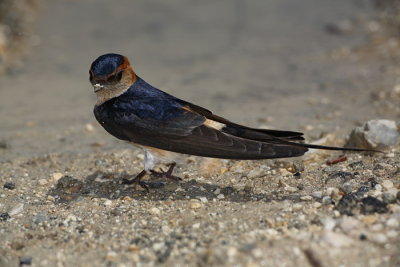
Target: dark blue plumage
(106,64)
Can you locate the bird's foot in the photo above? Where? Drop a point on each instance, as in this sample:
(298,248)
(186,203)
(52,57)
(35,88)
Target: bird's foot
(137,180)
(166,174)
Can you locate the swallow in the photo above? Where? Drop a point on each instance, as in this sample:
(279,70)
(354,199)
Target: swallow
(132,110)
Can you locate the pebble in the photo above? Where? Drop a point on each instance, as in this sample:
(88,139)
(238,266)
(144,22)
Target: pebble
(306,198)
(107,202)
(390,196)
(221,196)
(203,199)
(290,189)
(217,191)
(9,185)
(297,207)
(196,226)
(387,184)
(392,222)
(347,188)
(374,134)
(17,209)
(347,224)
(57,176)
(317,194)
(111,255)
(337,240)
(25,261)
(195,205)
(89,127)
(4,216)
(42,182)
(326,200)
(379,238)
(329,223)
(155,211)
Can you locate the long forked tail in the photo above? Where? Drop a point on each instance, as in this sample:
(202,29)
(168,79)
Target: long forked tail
(354,149)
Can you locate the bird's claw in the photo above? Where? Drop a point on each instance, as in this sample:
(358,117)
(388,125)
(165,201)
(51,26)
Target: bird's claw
(166,174)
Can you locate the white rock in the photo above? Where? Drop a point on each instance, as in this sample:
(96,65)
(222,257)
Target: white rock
(387,184)
(392,222)
(155,211)
(57,176)
(203,199)
(306,198)
(42,181)
(374,134)
(221,196)
(196,226)
(348,224)
(107,203)
(337,240)
(16,209)
(329,223)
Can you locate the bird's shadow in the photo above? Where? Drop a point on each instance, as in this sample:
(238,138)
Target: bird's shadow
(110,186)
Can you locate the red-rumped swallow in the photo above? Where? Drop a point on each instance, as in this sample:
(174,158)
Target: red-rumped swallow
(132,110)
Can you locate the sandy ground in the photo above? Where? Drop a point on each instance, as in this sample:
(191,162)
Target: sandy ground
(318,66)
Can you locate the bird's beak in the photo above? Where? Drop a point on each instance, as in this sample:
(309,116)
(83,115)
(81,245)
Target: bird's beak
(97,87)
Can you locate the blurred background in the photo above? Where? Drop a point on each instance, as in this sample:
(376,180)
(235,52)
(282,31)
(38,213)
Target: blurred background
(314,65)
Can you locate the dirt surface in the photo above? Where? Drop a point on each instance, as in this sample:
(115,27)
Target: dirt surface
(317,66)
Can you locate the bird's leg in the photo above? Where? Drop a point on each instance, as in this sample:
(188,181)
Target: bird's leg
(137,180)
(166,174)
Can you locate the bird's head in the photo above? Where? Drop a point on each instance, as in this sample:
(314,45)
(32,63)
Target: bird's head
(111,75)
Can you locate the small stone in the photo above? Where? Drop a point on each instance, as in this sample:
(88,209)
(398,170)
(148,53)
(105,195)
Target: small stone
(317,194)
(25,261)
(4,216)
(127,198)
(217,191)
(290,189)
(371,204)
(221,196)
(348,224)
(196,226)
(111,255)
(210,166)
(107,203)
(297,207)
(158,246)
(374,134)
(379,238)
(327,200)
(285,172)
(337,240)
(255,173)
(370,219)
(155,211)
(195,205)
(329,223)
(203,199)
(387,184)
(317,205)
(390,196)
(378,187)
(347,188)
(306,198)
(9,185)
(17,209)
(42,182)
(89,127)
(57,176)
(392,222)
